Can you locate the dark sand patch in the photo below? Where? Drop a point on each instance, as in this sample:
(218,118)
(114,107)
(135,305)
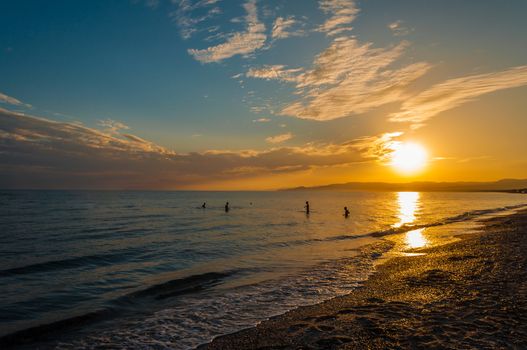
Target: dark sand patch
(468,294)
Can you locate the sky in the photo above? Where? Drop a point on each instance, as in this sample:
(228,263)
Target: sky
(255,95)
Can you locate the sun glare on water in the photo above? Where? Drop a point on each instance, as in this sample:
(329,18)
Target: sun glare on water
(408,157)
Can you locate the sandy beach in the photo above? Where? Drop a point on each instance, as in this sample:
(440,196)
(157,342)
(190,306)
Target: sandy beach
(471,293)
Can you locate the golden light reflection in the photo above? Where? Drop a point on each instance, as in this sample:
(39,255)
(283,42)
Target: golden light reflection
(408,205)
(415,239)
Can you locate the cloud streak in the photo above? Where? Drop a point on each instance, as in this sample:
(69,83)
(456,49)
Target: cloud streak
(241,43)
(12,101)
(274,72)
(347,78)
(379,147)
(455,92)
(398,28)
(342,13)
(185,19)
(282,28)
(279,138)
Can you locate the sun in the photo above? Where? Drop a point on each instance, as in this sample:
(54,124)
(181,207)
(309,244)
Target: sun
(408,157)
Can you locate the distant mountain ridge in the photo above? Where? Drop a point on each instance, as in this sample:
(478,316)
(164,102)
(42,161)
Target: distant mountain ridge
(504,185)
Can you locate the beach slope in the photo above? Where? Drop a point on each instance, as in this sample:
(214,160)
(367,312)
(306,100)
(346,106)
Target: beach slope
(468,294)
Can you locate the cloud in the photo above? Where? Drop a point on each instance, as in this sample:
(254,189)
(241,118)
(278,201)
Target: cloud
(398,28)
(282,26)
(273,72)
(41,153)
(241,43)
(379,147)
(12,101)
(347,78)
(112,126)
(342,13)
(262,120)
(279,138)
(186,19)
(455,92)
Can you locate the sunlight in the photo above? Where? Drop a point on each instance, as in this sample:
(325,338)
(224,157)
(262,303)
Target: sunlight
(415,239)
(408,157)
(408,205)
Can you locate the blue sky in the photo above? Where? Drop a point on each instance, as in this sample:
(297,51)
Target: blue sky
(198,76)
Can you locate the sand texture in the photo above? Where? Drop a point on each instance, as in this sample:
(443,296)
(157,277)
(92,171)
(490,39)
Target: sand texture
(470,294)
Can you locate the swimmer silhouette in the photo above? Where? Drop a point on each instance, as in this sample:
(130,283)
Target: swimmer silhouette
(307,207)
(204,205)
(227,207)
(346,212)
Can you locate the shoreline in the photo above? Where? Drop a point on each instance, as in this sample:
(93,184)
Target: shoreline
(471,293)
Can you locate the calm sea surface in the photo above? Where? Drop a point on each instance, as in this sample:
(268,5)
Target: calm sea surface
(154,269)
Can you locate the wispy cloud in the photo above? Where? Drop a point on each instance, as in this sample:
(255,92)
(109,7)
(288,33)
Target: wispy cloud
(279,138)
(341,12)
(186,19)
(112,126)
(378,147)
(455,92)
(41,153)
(398,28)
(274,72)
(262,120)
(12,101)
(284,28)
(240,43)
(347,78)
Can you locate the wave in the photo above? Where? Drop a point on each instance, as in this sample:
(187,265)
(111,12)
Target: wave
(128,304)
(177,287)
(68,263)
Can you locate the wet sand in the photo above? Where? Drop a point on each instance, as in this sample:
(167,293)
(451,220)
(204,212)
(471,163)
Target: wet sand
(468,294)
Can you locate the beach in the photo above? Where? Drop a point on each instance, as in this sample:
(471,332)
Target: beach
(470,293)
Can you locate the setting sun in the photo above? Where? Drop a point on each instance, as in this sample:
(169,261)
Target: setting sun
(408,157)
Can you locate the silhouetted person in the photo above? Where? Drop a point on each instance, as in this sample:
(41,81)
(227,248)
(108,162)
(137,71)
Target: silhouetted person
(346,212)
(204,205)
(307,207)
(227,207)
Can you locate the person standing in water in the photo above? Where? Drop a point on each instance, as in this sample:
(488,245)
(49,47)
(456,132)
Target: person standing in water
(346,212)
(204,205)
(307,207)
(227,207)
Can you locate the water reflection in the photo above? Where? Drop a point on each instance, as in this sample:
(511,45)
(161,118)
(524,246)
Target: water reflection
(408,205)
(415,239)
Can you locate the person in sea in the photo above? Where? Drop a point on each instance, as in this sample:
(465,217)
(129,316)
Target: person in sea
(307,207)
(346,212)
(204,205)
(226,207)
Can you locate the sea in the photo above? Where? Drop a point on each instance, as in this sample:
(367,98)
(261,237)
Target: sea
(155,270)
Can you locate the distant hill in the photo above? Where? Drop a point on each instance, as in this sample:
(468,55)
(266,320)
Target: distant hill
(505,185)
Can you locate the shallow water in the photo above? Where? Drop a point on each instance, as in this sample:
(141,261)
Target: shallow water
(153,268)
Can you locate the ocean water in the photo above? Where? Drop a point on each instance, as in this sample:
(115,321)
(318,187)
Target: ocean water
(86,269)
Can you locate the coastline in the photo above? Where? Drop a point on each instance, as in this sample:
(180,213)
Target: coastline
(471,293)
